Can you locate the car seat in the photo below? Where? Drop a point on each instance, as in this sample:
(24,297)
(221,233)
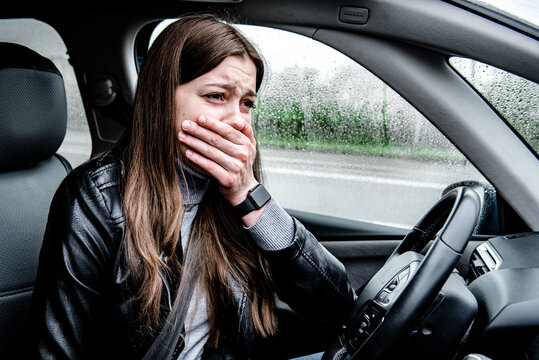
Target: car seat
(33,117)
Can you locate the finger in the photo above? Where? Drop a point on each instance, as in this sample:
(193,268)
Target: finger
(210,151)
(248,131)
(207,136)
(222,176)
(225,130)
(238,151)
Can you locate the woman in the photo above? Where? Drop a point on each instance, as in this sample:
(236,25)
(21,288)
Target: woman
(155,250)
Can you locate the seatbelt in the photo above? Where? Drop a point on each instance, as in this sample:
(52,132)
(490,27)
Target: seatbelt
(170,341)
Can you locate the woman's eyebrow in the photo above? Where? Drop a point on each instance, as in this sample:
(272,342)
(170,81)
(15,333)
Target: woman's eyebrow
(230,87)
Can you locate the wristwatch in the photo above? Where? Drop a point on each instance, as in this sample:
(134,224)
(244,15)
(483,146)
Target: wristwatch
(256,198)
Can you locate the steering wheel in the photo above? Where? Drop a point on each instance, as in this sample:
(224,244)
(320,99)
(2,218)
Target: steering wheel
(398,295)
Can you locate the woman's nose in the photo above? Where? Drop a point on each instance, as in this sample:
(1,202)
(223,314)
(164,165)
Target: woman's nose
(235,119)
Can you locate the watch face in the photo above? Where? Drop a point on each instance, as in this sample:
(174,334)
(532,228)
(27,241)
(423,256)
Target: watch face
(260,196)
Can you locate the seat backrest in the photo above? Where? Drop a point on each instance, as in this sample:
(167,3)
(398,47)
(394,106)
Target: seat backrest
(33,116)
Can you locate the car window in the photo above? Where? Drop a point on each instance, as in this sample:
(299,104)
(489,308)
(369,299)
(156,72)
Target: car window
(42,38)
(335,140)
(515,98)
(522,14)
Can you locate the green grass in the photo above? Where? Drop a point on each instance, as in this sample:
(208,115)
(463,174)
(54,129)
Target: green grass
(368,149)
(348,131)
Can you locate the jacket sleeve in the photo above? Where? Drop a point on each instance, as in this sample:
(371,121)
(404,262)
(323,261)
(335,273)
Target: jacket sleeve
(310,279)
(75,256)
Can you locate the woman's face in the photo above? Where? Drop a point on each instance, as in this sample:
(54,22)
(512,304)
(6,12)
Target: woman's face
(227,93)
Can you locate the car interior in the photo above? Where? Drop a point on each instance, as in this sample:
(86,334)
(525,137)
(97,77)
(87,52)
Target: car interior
(463,280)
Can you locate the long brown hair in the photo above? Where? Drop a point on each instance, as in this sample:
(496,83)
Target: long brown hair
(152,199)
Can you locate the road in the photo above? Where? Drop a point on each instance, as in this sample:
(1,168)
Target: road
(382,190)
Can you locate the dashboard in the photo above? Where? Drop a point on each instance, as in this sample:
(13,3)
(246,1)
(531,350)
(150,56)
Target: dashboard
(504,278)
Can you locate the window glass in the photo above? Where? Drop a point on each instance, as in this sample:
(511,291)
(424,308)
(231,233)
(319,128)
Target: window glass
(515,98)
(42,38)
(336,140)
(524,11)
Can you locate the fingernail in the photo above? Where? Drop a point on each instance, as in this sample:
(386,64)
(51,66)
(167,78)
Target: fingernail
(186,124)
(202,119)
(181,135)
(188,153)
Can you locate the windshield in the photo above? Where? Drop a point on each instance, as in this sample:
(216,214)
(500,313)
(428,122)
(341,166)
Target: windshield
(515,98)
(523,14)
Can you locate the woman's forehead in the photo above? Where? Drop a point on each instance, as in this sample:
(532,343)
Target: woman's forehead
(233,72)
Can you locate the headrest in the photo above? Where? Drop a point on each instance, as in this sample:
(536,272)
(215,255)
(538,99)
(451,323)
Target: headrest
(33,107)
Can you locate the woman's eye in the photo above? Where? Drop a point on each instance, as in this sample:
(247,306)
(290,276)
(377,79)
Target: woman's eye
(215,96)
(248,104)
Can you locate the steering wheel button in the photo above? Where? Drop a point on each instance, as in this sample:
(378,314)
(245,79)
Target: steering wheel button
(382,297)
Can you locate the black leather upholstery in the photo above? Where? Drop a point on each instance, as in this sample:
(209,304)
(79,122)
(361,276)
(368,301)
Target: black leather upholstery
(33,116)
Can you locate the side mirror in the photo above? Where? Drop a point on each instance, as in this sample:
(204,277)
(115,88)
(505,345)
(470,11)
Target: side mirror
(488,219)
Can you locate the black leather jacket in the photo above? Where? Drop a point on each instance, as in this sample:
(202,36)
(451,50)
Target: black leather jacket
(82,308)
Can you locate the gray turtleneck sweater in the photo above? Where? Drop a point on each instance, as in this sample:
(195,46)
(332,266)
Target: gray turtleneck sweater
(273,231)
